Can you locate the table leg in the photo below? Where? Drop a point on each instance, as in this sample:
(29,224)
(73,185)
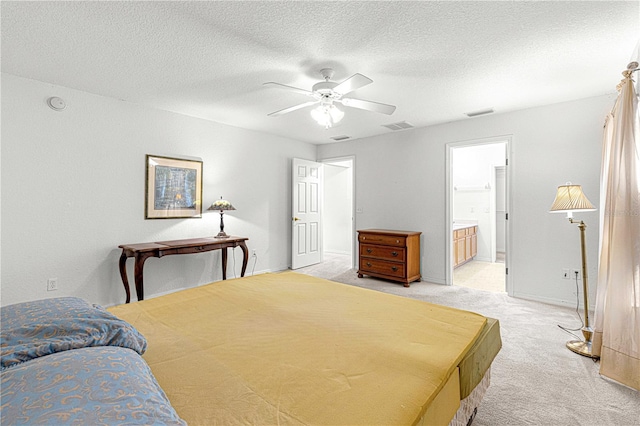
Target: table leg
(224,263)
(123,275)
(245,259)
(138,268)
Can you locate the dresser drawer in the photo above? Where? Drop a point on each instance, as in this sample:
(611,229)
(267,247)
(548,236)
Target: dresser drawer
(397,254)
(383,267)
(387,240)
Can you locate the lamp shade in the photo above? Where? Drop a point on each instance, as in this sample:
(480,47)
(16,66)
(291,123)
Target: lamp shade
(326,115)
(221,205)
(570,198)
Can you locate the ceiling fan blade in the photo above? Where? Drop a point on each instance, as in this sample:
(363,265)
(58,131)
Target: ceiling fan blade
(368,105)
(354,82)
(290,88)
(293,108)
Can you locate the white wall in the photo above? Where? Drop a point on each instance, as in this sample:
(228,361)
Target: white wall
(550,145)
(473,164)
(73,190)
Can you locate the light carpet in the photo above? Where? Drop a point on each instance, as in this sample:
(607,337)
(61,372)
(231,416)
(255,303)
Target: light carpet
(535,380)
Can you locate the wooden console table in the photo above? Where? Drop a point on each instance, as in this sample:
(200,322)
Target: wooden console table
(141,252)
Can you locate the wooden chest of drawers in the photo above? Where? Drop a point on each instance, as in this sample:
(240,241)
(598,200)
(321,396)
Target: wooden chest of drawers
(392,255)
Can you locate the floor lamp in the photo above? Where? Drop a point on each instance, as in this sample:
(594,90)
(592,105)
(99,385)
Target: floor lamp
(569,199)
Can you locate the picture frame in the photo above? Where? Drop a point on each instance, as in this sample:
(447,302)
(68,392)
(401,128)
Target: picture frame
(173,188)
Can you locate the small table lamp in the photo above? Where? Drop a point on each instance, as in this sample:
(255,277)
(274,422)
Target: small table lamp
(569,199)
(221,205)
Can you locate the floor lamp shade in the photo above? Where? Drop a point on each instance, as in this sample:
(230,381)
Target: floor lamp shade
(569,199)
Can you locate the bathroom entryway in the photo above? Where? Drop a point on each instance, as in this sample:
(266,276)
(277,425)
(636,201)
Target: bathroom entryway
(478,203)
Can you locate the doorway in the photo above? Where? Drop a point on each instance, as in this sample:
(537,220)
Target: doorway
(339,227)
(477,214)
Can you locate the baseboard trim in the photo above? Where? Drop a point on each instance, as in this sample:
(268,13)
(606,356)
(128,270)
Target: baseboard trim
(337,252)
(434,280)
(549,300)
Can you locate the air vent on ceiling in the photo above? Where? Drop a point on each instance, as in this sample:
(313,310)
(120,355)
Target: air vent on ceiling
(340,138)
(401,125)
(480,112)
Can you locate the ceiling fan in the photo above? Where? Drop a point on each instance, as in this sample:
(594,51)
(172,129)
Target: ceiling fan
(326,92)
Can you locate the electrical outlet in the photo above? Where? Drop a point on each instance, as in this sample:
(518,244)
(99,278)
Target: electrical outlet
(575,274)
(566,273)
(52,284)
(253,253)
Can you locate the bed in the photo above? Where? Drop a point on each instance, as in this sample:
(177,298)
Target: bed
(66,361)
(280,348)
(288,348)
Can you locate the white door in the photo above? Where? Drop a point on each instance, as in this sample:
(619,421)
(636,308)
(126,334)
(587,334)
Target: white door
(306,247)
(501,209)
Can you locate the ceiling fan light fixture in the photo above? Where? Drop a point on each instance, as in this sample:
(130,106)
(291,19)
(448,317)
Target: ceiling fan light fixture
(328,92)
(327,115)
(336,113)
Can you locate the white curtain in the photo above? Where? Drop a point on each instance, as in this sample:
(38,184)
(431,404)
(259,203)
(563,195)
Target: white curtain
(617,316)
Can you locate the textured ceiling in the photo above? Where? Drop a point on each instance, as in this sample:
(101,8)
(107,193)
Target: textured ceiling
(434,60)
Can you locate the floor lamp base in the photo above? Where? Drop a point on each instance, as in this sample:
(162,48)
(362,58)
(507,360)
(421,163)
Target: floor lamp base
(581,348)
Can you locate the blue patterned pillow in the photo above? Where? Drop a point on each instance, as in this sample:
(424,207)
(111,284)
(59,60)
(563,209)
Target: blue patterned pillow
(42,327)
(89,386)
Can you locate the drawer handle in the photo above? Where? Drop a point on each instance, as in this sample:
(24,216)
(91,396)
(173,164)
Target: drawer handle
(394,253)
(364,238)
(394,268)
(369,250)
(369,264)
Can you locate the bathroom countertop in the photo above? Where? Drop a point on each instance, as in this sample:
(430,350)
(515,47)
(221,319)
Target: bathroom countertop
(463,225)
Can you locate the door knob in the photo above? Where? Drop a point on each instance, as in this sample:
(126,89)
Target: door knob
(295,219)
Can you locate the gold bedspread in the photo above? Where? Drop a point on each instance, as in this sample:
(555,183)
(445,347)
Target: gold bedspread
(288,348)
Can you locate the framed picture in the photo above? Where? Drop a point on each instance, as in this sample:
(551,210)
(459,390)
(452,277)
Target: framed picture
(173,188)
